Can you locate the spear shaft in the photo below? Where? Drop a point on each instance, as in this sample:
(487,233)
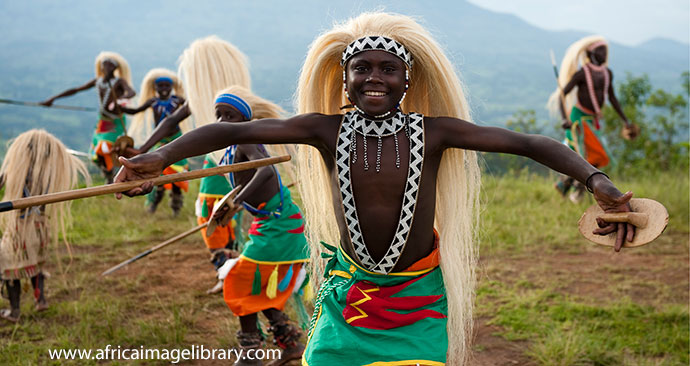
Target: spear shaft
(125,186)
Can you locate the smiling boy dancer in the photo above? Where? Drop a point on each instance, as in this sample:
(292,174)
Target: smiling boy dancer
(399,289)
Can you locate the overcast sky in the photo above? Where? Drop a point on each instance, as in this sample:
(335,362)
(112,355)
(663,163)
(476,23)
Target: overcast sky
(630,22)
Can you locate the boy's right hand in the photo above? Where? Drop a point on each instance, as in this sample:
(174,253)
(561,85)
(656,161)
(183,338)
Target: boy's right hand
(144,166)
(129,152)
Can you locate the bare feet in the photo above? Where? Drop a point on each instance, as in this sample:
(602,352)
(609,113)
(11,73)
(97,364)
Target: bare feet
(41,306)
(9,316)
(216,289)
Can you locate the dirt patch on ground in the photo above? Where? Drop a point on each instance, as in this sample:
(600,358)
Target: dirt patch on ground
(183,273)
(646,275)
(493,350)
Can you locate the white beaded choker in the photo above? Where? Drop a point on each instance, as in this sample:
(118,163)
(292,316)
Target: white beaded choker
(377,128)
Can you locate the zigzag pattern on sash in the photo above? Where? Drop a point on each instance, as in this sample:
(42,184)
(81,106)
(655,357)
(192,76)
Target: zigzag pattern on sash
(342,154)
(377,43)
(386,264)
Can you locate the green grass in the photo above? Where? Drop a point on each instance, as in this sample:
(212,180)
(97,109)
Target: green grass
(563,331)
(89,311)
(524,220)
(522,210)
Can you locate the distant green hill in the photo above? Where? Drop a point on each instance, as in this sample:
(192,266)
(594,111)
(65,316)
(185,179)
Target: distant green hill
(51,47)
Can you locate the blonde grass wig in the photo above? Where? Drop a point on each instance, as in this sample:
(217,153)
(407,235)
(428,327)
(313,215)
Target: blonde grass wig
(122,71)
(435,90)
(262,108)
(143,123)
(575,57)
(39,162)
(207,66)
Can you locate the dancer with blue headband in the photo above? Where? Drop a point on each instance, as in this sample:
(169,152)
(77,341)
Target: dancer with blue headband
(161,94)
(271,267)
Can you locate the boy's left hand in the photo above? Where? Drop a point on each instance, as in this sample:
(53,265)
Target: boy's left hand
(611,200)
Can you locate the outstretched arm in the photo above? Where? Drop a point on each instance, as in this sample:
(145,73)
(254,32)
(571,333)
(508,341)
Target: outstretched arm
(261,176)
(455,133)
(312,129)
(138,109)
(48,102)
(167,127)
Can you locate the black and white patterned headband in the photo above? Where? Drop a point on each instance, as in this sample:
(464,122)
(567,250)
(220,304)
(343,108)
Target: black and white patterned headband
(379,43)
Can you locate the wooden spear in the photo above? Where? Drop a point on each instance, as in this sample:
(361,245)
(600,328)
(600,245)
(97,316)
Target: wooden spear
(125,186)
(149,251)
(208,224)
(33,104)
(573,126)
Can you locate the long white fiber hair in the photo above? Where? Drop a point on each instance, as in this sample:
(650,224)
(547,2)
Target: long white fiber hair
(38,162)
(575,57)
(143,123)
(207,66)
(435,90)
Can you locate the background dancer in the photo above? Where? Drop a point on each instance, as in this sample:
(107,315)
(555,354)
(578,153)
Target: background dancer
(161,94)
(112,83)
(271,266)
(36,163)
(593,82)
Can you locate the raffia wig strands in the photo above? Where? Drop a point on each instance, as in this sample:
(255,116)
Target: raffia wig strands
(575,57)
(122,71)
(40,162)
(207,66)
(435,90)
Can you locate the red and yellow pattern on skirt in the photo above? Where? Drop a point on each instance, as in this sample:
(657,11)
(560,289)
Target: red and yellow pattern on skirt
(104,137)
(265,275)
(366,318)
(239,287)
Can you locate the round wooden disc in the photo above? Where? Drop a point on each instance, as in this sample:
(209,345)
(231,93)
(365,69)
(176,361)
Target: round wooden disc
(124,142)
(657,221)
(630,133)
